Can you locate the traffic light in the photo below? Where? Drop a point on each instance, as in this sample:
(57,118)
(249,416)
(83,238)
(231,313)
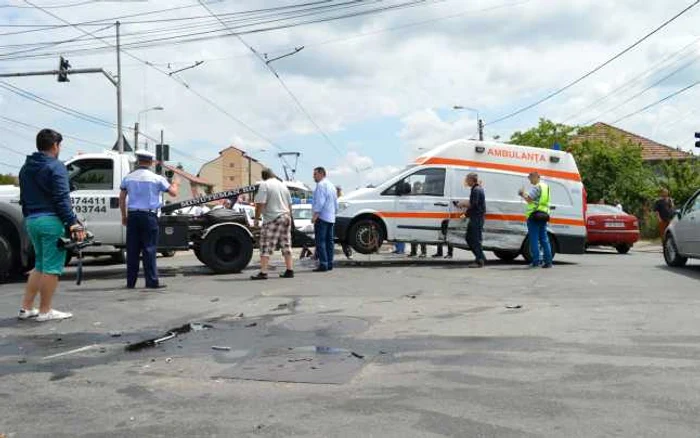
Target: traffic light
(63,67)
(697,139)
(162,155)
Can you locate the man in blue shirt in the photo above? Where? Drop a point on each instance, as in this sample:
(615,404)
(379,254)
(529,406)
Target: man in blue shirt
(48,213)
(143,188)
(324,208)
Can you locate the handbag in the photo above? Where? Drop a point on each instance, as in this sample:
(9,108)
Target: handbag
(539,216)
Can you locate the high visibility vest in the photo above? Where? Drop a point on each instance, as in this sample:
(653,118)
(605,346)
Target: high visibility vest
(543,204)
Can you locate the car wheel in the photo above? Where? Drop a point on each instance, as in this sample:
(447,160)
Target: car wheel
(119,257)
(8,256)
(623,248)
(365,236)
(526,248)
(506,256)
(671,255)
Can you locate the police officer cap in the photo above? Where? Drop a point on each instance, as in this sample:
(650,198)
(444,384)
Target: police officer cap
(145,155)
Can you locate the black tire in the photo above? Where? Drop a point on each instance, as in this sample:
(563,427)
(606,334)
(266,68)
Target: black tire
(119,257)
(197,249)
(366,236)
(506,256)
(673,258)
(525,251)
(167,254)
(623,248)
(227,249)
(9,257)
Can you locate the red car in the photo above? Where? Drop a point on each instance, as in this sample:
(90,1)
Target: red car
(607,225)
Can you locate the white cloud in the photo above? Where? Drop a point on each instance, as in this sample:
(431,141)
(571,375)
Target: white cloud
(356,170)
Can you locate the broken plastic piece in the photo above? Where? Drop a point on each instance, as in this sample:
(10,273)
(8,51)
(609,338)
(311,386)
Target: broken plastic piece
(514,306)
(219,348)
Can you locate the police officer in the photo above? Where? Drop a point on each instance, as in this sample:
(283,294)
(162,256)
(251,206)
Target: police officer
(143,188)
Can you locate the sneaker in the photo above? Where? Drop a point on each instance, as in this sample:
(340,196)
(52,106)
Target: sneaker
(26,314)
(436,256)
(287,274)
(259,276)
(53,315)
(476,265)
(422,256)
(547,266)
(448,256)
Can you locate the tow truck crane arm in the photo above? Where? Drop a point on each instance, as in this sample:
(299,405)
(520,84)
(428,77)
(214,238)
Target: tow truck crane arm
(226,194)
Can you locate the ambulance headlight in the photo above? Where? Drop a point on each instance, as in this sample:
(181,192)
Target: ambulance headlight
(342,206)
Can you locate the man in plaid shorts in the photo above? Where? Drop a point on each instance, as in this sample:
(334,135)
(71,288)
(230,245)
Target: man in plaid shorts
(274,202)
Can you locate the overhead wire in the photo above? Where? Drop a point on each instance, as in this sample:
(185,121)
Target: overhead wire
(596,69)
(651,105)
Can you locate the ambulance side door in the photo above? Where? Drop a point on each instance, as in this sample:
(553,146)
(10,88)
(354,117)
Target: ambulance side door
(422,205)
(95,197)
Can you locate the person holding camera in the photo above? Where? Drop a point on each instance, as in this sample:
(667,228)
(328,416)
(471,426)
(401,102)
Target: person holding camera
(537,213)
(48,213)
(143,188)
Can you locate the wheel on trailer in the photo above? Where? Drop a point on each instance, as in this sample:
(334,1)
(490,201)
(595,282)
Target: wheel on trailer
(623,248)
(365,236)
(526,248)
(227,249)
(673,258)
(197,249)
(167,253)
(506,256)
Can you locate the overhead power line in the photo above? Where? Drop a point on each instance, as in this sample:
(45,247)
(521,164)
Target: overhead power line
(651,105)
(596,69)
(38,128)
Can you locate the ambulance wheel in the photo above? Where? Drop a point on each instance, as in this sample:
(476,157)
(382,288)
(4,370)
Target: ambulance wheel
(227,249)
(365,236)
(506,256)
(526,248)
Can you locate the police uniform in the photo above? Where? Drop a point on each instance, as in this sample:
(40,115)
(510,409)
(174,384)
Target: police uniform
(144,193)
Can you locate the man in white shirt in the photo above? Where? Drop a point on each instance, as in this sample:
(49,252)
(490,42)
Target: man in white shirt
(274,202)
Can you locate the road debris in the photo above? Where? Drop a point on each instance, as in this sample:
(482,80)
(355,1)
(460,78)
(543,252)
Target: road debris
(168,359)
(413,297)
(171,334)
(514,306)
(359,356)
(220,348)
(115,334)
(66,353)
(252,324)
(214,300)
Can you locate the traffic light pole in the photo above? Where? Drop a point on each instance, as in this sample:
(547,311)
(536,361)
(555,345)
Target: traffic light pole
(63,73)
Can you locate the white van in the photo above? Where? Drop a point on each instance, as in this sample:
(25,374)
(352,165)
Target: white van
(416,204)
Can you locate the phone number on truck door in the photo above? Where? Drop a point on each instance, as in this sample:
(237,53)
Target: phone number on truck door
(87,204)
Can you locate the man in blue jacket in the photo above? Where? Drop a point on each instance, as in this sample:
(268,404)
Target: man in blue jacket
(48,213)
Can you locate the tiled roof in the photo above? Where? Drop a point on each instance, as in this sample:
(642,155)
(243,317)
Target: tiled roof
(188,176)
(651,150)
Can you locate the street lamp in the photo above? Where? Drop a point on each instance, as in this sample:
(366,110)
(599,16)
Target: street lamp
(138,120)
(479,122)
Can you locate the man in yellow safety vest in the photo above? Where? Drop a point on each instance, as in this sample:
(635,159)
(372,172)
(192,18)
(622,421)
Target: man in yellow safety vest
(537,213)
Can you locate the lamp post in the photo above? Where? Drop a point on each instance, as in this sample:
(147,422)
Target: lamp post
(479,122)
(138,120)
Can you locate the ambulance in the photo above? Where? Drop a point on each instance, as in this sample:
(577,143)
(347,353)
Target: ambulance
(418,204)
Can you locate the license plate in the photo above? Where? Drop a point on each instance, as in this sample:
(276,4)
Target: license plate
(615,225)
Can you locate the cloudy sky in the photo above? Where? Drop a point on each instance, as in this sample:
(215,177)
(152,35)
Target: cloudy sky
(371,90)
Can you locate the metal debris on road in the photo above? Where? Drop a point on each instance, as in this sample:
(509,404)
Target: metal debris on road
(66,353)
(514,306)
(219,348)
(195,326)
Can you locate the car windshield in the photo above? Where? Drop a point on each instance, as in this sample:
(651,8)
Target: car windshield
(302,213)
(603,209)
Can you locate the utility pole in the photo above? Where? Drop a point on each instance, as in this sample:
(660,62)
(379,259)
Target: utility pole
(136,136)
(481,129)
(120,136)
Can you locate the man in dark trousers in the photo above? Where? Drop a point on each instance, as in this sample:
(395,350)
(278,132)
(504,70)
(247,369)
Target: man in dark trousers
(139,201)
(48,214)
(476,212)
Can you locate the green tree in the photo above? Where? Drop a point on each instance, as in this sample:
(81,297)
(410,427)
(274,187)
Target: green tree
(681,178)
(8,179)
(545,135)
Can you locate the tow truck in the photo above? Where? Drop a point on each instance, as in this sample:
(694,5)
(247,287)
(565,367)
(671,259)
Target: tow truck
(221,239)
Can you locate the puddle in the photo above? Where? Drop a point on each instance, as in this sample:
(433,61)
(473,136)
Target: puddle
(308,364)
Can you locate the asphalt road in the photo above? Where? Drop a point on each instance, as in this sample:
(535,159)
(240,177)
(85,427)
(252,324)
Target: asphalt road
(602,345)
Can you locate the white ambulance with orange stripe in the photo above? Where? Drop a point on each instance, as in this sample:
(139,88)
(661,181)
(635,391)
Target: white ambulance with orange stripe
(417,204)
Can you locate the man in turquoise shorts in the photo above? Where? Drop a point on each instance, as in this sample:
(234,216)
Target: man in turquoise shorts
(48,213)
